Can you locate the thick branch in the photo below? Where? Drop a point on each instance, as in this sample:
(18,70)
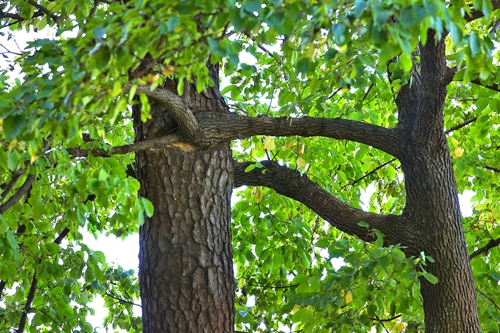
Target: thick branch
(176,108)
(342,216)
(18,195)
(491,244)
(217,127)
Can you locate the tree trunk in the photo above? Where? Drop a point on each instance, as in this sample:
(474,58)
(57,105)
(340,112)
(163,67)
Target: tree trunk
(186,264)
(433,209)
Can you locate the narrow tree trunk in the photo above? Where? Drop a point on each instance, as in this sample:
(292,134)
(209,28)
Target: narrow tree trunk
(186,264)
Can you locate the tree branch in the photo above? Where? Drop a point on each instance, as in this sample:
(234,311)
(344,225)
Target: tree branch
(163,142)
(121,300)
(342,216)
(18,195)
(491,244)
(217,127)
(43,9)
(175,106)
(489,299)
(10,186)
(27,306)
(453,70)
(33,287)
(475,14)
(459,126)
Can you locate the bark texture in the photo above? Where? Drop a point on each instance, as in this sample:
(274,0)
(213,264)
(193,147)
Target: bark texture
(186,267)
(432,209)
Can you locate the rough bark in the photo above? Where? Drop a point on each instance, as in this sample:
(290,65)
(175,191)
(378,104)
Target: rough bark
(186,268)
(432,209)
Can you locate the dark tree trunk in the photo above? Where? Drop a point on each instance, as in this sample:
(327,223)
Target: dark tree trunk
(450,305)
(186,264)
(432,211)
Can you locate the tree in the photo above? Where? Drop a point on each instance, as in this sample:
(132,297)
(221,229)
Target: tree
(119,125)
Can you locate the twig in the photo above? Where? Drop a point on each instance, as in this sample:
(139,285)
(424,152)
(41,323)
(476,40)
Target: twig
(489,299)
(369,173)
(459,126)
(491,244)
(121,300)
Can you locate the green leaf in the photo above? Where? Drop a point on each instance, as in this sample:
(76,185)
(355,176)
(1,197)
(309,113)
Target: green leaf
(172,22)
(99,32)
(429,277)
(13,125)
(474,43)
(148,207)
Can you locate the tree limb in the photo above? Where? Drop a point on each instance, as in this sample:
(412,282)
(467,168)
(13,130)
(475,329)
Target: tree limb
(342,216)
(491,244)
(43,9)
(27,306)
(18,195)
(10,186)
(475,14)
(217,127)
(175,106)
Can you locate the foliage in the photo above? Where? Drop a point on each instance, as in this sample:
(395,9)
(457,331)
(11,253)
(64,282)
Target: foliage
(280,58)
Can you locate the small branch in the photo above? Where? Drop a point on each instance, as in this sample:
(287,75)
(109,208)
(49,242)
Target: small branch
(2,286)
(121,300)
(491,244)
(459,126)
(492,168)
(18,195)
(43,10)
(27,306)
(10,186)
(489,299)
(388,319)
(370,173)
(61,236)
(495,27)
(163,142)
(299,187)
(453,70)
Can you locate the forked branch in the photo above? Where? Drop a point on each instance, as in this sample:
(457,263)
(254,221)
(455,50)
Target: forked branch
(342,216)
